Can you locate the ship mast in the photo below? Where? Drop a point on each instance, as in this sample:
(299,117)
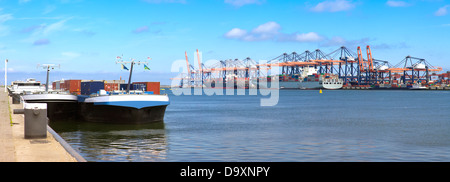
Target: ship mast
(132,62)
(48,67)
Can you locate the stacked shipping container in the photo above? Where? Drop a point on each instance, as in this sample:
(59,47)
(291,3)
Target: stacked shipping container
(73,86)
(90,87)
(87,87)
(147,86)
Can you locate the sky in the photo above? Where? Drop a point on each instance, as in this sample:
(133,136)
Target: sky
(85,36)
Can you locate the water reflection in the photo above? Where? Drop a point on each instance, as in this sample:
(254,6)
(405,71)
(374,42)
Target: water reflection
(115,142)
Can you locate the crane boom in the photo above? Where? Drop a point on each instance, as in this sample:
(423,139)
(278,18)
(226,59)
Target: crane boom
(370,59)
(199,62)
(187,63)
(360,60)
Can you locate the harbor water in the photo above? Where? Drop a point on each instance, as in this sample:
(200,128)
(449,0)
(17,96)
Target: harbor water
(305,125)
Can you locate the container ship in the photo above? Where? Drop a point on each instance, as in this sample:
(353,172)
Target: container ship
(321,81)
(309,79)
(284,82)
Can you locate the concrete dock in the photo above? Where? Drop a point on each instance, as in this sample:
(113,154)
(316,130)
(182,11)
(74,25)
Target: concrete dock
(15,148)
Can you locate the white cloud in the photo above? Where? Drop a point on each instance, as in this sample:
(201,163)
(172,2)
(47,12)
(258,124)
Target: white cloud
(267,28)
(5,17)
(46,30)
(271,31)
(54,27)
(40,34)
(235,33)
(442,11)
(397,3)
(70,55)
(239,3)
(308,37)
(265,31)
(4,29)
(333,6)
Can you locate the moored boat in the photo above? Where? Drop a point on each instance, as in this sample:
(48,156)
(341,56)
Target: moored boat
(60,105)
(130,108)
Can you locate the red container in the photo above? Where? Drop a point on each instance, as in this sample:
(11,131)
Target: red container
(73,86)
(54,85)
(62,85)
(154,87)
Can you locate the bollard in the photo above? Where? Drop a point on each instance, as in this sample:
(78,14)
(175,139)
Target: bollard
(16,99)
(35,120)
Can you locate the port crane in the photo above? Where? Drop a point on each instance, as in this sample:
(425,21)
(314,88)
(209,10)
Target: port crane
(351,67)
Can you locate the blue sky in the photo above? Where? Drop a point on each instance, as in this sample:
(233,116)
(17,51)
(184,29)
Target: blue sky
(85,36)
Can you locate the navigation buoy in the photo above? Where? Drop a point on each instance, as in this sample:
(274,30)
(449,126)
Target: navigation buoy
(320,91)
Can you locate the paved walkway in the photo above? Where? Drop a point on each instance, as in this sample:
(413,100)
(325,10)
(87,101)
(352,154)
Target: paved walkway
(13,145)
(7,151)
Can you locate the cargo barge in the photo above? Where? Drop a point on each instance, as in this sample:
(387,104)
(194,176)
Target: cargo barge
(60,105)
(136,107)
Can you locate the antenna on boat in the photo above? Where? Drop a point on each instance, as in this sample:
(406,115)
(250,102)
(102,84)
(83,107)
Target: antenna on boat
(132,62)
(48,67)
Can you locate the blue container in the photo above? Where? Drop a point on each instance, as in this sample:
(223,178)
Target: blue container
(124,86)
(139,86)
(88,88)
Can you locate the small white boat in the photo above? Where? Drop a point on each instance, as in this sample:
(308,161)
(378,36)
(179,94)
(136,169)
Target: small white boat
(29,86)
(418,87)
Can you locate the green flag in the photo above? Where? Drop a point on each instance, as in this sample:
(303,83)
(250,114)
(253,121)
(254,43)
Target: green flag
(146,67)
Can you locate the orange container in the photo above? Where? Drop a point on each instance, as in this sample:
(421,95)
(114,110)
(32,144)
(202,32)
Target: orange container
(111,86)
(154,87)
